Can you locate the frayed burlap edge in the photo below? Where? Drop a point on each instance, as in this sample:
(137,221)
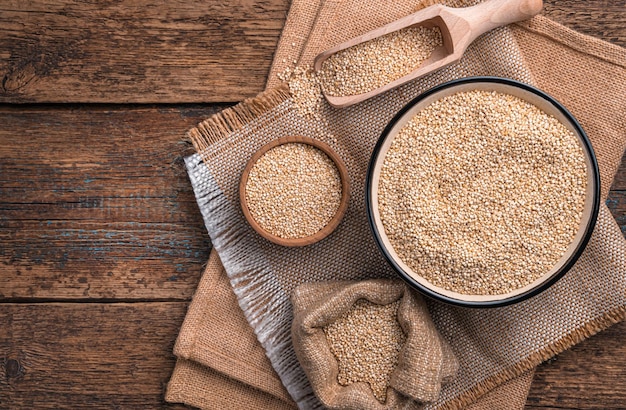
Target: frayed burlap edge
(601,49)
(575,337)
(222,124)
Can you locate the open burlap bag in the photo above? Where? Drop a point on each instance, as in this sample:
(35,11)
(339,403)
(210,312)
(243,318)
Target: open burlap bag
(493,346)
(425,361)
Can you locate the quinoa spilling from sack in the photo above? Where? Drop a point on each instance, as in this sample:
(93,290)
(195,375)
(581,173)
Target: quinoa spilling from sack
(482,193)
(293,190)
(366,341)
(367,66)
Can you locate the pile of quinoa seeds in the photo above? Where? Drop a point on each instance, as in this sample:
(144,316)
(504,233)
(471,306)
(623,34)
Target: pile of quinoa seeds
(304,87)
(367,66)
(481,193)
(293,190)
(367,341)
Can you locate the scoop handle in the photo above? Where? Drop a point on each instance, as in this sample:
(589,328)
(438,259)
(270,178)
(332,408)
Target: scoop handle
(495,13)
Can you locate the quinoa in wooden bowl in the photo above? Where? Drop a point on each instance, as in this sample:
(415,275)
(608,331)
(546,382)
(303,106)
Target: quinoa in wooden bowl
(294,191)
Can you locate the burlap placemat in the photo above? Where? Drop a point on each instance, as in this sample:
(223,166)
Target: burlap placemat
(493,345)
(551,31)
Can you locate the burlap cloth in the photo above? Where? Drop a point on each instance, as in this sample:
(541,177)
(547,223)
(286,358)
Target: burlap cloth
(221,364)
(494,346)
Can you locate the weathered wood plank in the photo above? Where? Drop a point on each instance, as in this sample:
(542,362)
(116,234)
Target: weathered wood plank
(591,375)
(95,203)
(136,50)
(147,51)
(83,355)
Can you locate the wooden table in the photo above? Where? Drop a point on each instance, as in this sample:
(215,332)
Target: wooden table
(101,241)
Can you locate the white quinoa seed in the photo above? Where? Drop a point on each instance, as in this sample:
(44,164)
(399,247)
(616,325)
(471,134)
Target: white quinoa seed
(367,341)
(305,90)
(367,66)
(293,190)
(482,193)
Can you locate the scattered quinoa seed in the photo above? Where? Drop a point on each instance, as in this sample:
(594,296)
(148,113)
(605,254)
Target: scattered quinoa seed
(293,190)
(305,90)
(367,341)
(367,66)
(481,192)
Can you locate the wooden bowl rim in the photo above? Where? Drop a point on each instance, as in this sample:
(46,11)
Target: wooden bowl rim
(343,204)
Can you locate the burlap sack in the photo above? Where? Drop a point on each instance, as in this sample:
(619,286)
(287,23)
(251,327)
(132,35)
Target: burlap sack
(493,346)
(425,362)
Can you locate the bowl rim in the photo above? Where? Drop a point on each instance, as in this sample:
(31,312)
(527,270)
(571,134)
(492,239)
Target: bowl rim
(335,220)
(546,283)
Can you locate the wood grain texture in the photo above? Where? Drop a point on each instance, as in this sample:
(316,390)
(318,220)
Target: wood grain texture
(591,375)
(79,356)
(95,203)
(136,50)
(175,52)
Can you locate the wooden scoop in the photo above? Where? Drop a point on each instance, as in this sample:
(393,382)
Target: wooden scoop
(459,28)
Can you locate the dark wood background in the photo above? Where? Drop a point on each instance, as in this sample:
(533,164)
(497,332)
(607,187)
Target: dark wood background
(101,242)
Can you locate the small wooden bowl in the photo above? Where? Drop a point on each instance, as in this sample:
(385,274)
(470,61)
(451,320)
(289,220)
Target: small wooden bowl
(330,226)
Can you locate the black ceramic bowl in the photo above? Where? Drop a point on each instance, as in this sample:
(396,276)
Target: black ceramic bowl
(532,95)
